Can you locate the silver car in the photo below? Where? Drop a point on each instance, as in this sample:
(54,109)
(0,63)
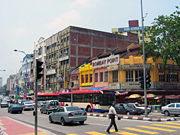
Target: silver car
(28,105)
(173,108)
(68,114)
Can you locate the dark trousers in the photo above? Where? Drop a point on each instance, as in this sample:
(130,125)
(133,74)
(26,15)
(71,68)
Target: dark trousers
(113,122)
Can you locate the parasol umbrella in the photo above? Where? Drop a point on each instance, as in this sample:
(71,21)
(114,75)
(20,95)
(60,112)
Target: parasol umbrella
(134,96)
(150,95)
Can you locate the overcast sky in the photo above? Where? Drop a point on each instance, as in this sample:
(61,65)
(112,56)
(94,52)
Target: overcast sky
(23,22)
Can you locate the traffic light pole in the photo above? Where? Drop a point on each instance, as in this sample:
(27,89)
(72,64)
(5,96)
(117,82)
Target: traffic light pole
(36,117)
(144,63)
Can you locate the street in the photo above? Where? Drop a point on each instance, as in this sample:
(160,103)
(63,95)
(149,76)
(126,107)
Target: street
(97,125)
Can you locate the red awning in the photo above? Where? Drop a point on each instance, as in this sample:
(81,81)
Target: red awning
(172,96)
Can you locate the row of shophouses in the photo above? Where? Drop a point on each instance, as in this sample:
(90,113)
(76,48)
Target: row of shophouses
(82,59)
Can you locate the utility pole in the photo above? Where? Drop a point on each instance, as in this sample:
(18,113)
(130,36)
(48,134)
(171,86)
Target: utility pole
(144,62)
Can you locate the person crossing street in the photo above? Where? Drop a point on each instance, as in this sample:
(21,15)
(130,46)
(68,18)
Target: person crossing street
(112,113)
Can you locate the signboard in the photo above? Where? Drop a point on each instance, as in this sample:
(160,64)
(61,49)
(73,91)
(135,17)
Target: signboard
(114,86)
(125,29)
(135,66)
(111,60)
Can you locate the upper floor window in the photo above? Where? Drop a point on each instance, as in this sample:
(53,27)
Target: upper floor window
(129,76)
(162,76)
(106,77)
(115,76)
(101,77)
(172,77)
(96,77)
(138,74)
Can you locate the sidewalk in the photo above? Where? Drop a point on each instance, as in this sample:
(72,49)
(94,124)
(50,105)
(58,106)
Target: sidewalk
(9,126)
(137,117)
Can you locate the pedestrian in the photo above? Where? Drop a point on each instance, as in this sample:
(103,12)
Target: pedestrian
(112,113)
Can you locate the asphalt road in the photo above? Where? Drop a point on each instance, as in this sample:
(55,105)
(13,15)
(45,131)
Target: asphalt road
(98,125)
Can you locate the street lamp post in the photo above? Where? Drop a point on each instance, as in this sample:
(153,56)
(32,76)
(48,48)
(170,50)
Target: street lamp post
(26,66)
(144,62)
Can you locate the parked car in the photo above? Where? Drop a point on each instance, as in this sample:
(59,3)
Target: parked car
(126,109)
(49,106)
(68,114)
(28,105)
(139,106)
(171,109)
(4,103)
(15,108)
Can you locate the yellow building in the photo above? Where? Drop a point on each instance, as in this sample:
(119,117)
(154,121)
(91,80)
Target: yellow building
(85,76)
(130,69)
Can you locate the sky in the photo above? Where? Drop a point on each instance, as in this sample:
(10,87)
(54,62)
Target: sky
(23,22)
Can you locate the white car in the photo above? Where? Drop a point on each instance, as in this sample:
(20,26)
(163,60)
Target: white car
(28,105)
(173,108)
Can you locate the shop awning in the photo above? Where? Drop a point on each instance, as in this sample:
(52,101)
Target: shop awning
(97,88)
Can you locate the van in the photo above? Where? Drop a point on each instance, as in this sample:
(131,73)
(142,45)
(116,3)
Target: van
(48,106)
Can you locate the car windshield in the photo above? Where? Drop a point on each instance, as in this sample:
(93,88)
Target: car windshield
(4,102)
(72,108)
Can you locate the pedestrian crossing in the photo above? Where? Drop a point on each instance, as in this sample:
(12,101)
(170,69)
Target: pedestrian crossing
(152,129)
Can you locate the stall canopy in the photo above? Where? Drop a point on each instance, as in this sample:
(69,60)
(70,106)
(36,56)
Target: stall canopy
(150,95)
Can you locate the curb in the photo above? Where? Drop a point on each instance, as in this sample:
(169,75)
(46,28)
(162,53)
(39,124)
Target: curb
(135,117)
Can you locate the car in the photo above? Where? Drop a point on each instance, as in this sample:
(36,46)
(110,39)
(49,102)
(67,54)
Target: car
(40,103)
(4,103)
(15,108)
(28,105)
(122,108)
(48,106)
(68,114)
(139,106)
(171,109)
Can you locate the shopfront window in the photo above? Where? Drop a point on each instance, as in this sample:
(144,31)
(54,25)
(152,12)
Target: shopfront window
(129,76)
(115,76)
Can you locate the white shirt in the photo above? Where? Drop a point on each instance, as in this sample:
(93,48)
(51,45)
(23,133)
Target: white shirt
(112,110)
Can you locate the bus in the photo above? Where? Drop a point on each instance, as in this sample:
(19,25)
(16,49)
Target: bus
(88,100)
(47,96)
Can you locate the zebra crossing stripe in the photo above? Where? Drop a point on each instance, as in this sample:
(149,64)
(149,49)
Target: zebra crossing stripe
(156,128)
(161,125)
(123,132)
(142,131)
(71,134)
(172,123)
(94,133)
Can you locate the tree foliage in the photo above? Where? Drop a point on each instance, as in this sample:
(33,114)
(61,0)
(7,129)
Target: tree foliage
(165,38)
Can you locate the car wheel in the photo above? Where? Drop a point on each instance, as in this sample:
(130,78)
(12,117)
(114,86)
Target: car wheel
(166,113)
(50,119)
(128,113)
(81,122)
(62,122)
(176,115)
(41,111)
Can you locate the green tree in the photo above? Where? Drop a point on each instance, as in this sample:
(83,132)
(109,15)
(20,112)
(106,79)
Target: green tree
(165,38)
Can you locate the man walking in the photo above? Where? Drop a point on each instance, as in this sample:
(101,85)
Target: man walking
(112,113)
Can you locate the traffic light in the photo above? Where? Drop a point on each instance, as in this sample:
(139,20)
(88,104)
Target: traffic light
(148,81)
(141,81)
(39,69)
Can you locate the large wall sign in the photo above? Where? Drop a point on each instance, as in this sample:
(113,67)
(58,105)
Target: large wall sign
(111,60)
